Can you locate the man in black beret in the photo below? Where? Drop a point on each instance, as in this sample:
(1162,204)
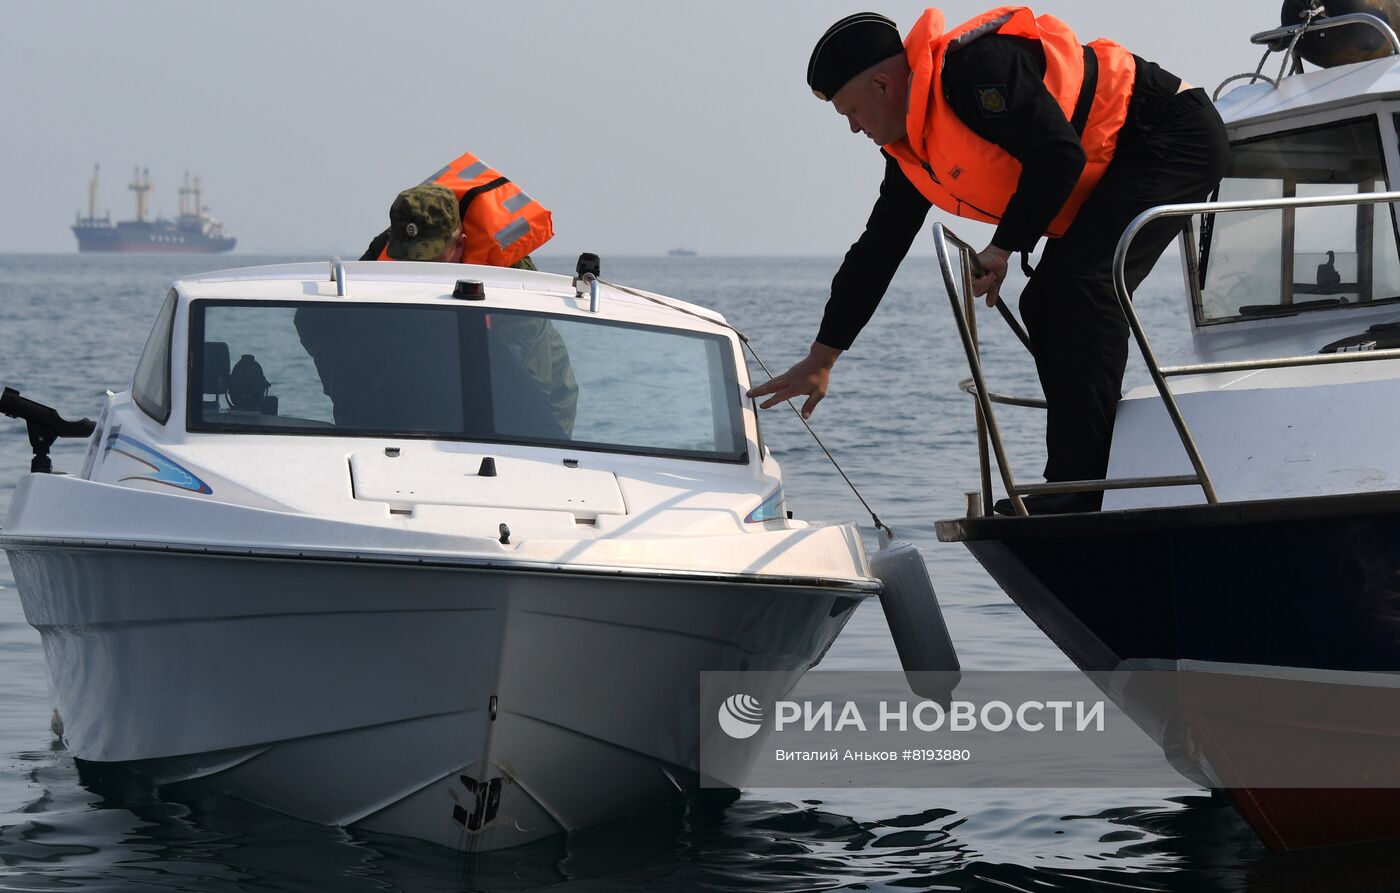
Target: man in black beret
(1008,119)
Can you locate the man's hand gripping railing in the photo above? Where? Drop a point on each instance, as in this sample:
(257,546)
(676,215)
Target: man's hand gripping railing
(987,429)
(966,320)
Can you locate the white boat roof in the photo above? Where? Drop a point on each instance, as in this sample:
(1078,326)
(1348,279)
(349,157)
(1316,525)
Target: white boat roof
(420,283)
(1313,91)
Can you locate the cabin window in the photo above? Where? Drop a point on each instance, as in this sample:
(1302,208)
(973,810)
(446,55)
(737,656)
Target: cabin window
(150,386)
(463,373)
(1281,262)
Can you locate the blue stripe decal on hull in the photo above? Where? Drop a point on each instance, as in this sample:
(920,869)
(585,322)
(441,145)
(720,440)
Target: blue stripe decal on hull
(164,470)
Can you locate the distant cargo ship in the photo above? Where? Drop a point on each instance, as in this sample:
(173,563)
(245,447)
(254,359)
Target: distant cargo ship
(681,252)
(193,232)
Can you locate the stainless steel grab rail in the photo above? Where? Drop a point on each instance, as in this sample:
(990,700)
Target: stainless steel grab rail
(968,387)
(1159,375)
(1351,18)
(986,419)
(342,288)
(987,428)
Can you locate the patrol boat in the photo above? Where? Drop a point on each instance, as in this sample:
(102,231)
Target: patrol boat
(1251,526)
(428,549)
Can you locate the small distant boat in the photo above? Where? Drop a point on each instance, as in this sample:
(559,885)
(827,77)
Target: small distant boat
(193,232)
(681,252)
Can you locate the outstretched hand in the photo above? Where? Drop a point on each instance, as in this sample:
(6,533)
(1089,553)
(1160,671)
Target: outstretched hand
(807,378)
(994,264)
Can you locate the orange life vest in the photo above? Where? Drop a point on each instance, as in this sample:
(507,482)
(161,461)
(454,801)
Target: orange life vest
(501,222)
(964,174)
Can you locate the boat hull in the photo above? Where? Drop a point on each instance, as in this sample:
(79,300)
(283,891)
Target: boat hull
(1287,595)
(1310,582)
(477,708)
(130,237)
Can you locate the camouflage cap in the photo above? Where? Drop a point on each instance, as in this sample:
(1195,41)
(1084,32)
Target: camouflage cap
(421,222)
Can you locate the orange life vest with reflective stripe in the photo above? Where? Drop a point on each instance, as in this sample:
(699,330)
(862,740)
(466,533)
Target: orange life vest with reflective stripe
(964,174)
(501,222)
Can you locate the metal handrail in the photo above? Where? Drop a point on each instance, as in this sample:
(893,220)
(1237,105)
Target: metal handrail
(975,266)
(976,386)
(1312,359)
(1159,375)
(342,288)
(1351,18)
(1286,39)
(967,257)
(968,387)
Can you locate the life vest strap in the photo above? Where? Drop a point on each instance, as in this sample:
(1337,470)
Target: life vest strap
(470,194)
(1087,89)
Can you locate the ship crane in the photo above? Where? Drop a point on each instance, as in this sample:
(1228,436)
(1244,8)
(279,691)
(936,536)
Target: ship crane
(141,184)
(185,195)
(92,193)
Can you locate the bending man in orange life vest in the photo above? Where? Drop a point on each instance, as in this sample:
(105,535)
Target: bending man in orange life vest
(494,222)
(466,213)
(1008,119)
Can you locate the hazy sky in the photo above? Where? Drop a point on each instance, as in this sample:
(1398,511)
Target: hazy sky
(642,125)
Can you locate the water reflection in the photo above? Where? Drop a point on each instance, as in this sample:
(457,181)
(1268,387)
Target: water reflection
(112,830)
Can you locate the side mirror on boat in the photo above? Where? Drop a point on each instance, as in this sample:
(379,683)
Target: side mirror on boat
(45,426)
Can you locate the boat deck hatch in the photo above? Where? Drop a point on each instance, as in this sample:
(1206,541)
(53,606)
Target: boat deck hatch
(416,477)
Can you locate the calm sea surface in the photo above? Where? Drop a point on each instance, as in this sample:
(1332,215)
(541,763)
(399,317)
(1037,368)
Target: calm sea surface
(72,326)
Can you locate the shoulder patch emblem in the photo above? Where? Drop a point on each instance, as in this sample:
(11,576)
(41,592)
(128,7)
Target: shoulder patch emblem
(992,99)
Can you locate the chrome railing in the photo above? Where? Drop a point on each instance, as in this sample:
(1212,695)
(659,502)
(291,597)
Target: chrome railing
(966,321)
(342,288)
(988,433)
(1286,39)
(1277,35)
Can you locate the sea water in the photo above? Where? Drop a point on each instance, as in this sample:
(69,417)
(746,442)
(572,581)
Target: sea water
(73,325)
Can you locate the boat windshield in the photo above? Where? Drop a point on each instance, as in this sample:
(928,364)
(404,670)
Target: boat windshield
(462,373)
(1278,262)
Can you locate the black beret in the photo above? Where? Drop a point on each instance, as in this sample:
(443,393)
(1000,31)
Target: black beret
(849,47)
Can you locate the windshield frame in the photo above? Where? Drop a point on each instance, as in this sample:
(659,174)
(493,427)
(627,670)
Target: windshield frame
(194,374)
(1377,117)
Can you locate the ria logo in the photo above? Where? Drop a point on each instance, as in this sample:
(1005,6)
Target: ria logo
(740,716)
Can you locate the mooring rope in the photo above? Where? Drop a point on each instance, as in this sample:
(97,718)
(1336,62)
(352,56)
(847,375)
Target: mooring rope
(1307,15)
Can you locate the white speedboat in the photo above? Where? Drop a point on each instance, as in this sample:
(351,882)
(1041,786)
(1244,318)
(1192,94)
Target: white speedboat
(427,549)
(1251,523)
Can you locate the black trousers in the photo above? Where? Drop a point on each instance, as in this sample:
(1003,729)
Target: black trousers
(1173,149)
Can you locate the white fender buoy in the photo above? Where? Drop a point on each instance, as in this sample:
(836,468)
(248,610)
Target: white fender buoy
(915,620)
